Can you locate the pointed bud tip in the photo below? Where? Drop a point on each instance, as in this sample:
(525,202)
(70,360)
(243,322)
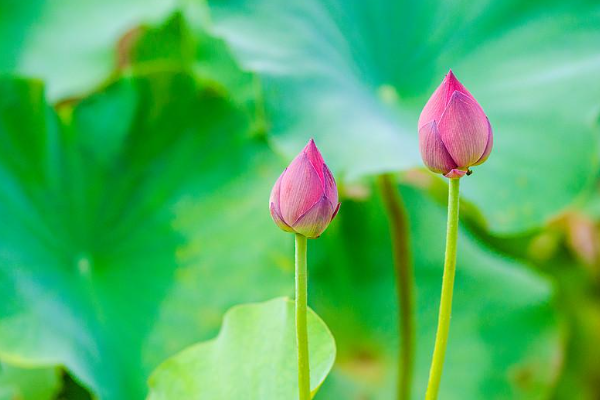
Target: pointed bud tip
(311,143)
(314,156)
(311,147)
(453,83)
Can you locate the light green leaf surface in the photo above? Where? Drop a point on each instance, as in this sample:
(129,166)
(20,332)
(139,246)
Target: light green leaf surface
(70,44)
(29,383)
(128,226)
(505,340)
(355,75)
(253,358)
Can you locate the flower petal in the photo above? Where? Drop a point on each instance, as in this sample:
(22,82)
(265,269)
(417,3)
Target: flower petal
(329,185)
(335,212)
(274,205)
(275,214)
(300,188)
(438,101)
(434,153)
(274,198)
(488,146)
(315,157)
(464,129)
(315,220)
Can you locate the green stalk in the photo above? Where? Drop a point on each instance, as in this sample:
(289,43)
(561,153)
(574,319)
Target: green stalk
(399,232)
(301,328)
(441,338)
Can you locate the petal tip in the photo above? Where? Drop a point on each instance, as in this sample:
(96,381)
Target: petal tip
(314,156)
(311,146)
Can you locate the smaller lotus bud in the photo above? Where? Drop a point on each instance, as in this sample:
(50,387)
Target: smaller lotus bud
(304,199)
(454,132)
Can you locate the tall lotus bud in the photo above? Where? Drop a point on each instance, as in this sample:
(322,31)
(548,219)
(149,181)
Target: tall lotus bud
(454,132)
(304,199)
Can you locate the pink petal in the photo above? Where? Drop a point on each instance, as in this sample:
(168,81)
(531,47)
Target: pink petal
(454,85)
(300,188)
(329,185)
(315,157)
(278,219)
(488,146)
(434,153)
(274,198)
(337,208)
(274,205)
(315,220)
(438,101)
(464,129)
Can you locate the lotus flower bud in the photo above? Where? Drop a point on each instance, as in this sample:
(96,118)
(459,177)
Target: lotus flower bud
(304,199)
(454,132)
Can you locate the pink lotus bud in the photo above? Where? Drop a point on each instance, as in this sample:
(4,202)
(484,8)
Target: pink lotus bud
(304,199)
(454,132)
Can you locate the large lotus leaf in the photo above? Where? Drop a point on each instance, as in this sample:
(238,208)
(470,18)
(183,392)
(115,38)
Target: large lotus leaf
(253,358)
(28,383)
(505,341)
(355,75)
(71,44)
(127,226)
(182,41)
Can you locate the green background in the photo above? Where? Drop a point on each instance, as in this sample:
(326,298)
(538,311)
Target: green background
(139,141)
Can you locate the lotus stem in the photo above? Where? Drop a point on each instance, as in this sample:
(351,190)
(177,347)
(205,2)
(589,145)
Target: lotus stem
(301,325)
(403,269)
(441,338)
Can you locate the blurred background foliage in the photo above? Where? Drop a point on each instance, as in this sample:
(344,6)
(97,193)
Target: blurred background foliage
(139,141)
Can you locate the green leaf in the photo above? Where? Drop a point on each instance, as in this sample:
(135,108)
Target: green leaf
(128,226)
(171,42)
(356,74)
(505,340)
(182,41)
(29,383)
(253,358)
(71,44)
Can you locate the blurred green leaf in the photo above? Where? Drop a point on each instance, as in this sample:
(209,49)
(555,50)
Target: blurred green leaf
(591,204)
(253,358)
(70,44)
(183,42)
(28,383)
(129,226)
(355,75)
(170,42)
(505,340)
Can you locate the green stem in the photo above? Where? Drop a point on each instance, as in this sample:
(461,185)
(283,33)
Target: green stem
(301,328)
(403,268)
(441,338)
